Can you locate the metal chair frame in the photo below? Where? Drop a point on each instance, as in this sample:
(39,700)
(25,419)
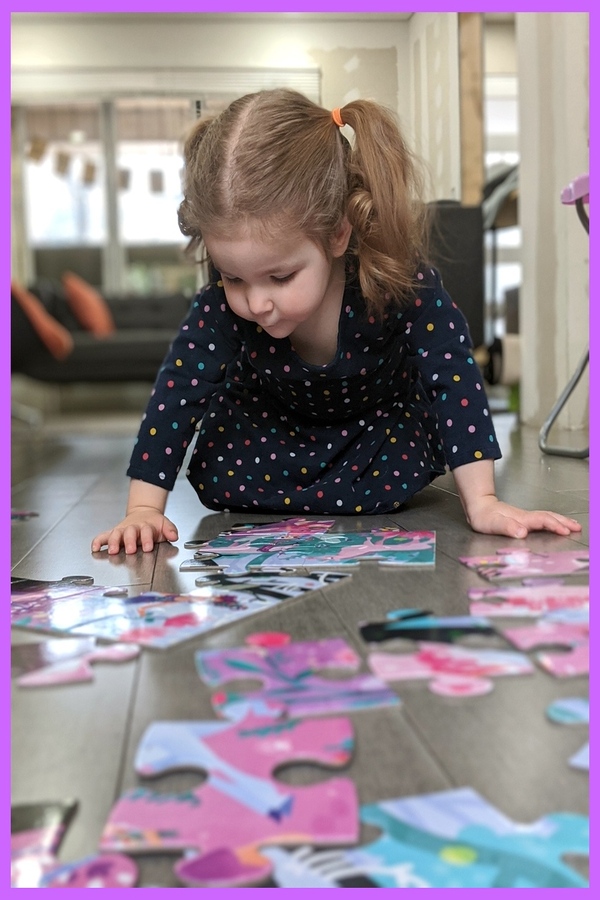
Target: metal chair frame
(576,193)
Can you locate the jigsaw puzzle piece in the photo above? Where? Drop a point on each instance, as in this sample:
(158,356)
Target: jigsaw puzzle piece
(260,539)
(581,759)
(528,599)
(22,515)
(307,544)
(297,526)
(289,680)
(385,546)
(294,527)
(159,619)
(451,670)
(569,711)
(230,755)
(463,841)
(415,625)
(226,819)
(525,563)
(233,563)
(78,664)
(573,636)
(26,658)
(64,608)
(33,587)
(572,711)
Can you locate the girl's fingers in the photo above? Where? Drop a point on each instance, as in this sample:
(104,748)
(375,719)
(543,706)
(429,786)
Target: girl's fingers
(100,541)
(147,538)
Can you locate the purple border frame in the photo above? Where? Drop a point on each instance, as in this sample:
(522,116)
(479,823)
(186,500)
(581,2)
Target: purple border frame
(231,6)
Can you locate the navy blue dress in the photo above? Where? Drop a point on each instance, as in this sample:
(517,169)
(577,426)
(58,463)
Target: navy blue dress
(402,399)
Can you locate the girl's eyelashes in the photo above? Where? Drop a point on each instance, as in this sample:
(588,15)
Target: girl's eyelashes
(277,279)
(282,279)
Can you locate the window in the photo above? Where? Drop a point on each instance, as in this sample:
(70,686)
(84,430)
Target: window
(102,184)
(503,243)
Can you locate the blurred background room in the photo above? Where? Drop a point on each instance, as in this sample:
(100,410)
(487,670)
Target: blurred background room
(495,103)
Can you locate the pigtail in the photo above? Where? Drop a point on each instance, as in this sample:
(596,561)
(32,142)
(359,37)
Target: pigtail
(385,206)
(187,218)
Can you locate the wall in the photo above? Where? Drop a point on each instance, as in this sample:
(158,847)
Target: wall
(370,60)
(554,134)
(500,47)
(435,99)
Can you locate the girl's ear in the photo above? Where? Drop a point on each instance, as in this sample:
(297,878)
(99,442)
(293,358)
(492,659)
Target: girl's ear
(341,238)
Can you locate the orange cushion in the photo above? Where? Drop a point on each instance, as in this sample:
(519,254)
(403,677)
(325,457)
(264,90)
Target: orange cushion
(55,337)
(87,305)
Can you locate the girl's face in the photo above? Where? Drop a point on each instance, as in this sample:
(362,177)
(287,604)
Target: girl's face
(280,282)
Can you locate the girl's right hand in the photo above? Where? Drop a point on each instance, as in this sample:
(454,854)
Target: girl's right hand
(143,527)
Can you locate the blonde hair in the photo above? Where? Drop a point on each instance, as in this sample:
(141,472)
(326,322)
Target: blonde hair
(277,160)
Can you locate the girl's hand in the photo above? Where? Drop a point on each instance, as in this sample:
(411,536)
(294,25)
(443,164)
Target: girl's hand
(492,516)
(143,526)
(488,515)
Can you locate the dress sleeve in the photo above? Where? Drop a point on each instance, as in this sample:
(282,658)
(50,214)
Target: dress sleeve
(440,345)
(192,370)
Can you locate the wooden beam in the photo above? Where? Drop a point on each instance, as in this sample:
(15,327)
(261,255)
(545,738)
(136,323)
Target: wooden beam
(470,38)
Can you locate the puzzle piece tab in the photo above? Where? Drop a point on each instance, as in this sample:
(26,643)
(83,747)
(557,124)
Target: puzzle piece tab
(226,820)
(290,683)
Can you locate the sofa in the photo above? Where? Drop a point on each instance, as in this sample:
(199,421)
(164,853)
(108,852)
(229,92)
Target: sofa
(143,328)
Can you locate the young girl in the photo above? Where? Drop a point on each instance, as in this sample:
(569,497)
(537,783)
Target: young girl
(323,369)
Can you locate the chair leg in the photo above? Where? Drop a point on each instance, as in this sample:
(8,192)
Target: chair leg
(555,411)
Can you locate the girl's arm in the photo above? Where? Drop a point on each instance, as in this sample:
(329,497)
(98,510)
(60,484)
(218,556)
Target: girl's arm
(144,524)
(488,515)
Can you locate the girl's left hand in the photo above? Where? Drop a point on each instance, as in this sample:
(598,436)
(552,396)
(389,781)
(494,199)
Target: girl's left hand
(492,516)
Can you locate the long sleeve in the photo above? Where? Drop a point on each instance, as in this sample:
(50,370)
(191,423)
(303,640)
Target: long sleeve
(193,368)
(440,345)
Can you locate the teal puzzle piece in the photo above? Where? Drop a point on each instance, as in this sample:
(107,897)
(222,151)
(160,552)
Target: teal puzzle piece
(453,838)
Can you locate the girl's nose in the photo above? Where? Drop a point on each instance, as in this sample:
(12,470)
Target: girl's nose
(258,302)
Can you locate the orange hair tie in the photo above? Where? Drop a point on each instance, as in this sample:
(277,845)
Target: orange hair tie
(336,115)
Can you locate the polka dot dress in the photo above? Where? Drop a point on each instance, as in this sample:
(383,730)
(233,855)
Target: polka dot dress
(402,399)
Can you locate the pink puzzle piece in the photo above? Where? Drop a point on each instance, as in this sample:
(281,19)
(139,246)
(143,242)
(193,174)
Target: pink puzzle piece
(452,670)
(572,636)
(240,807)
(510,562)
(528,600)
(67,661)
(290,681)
